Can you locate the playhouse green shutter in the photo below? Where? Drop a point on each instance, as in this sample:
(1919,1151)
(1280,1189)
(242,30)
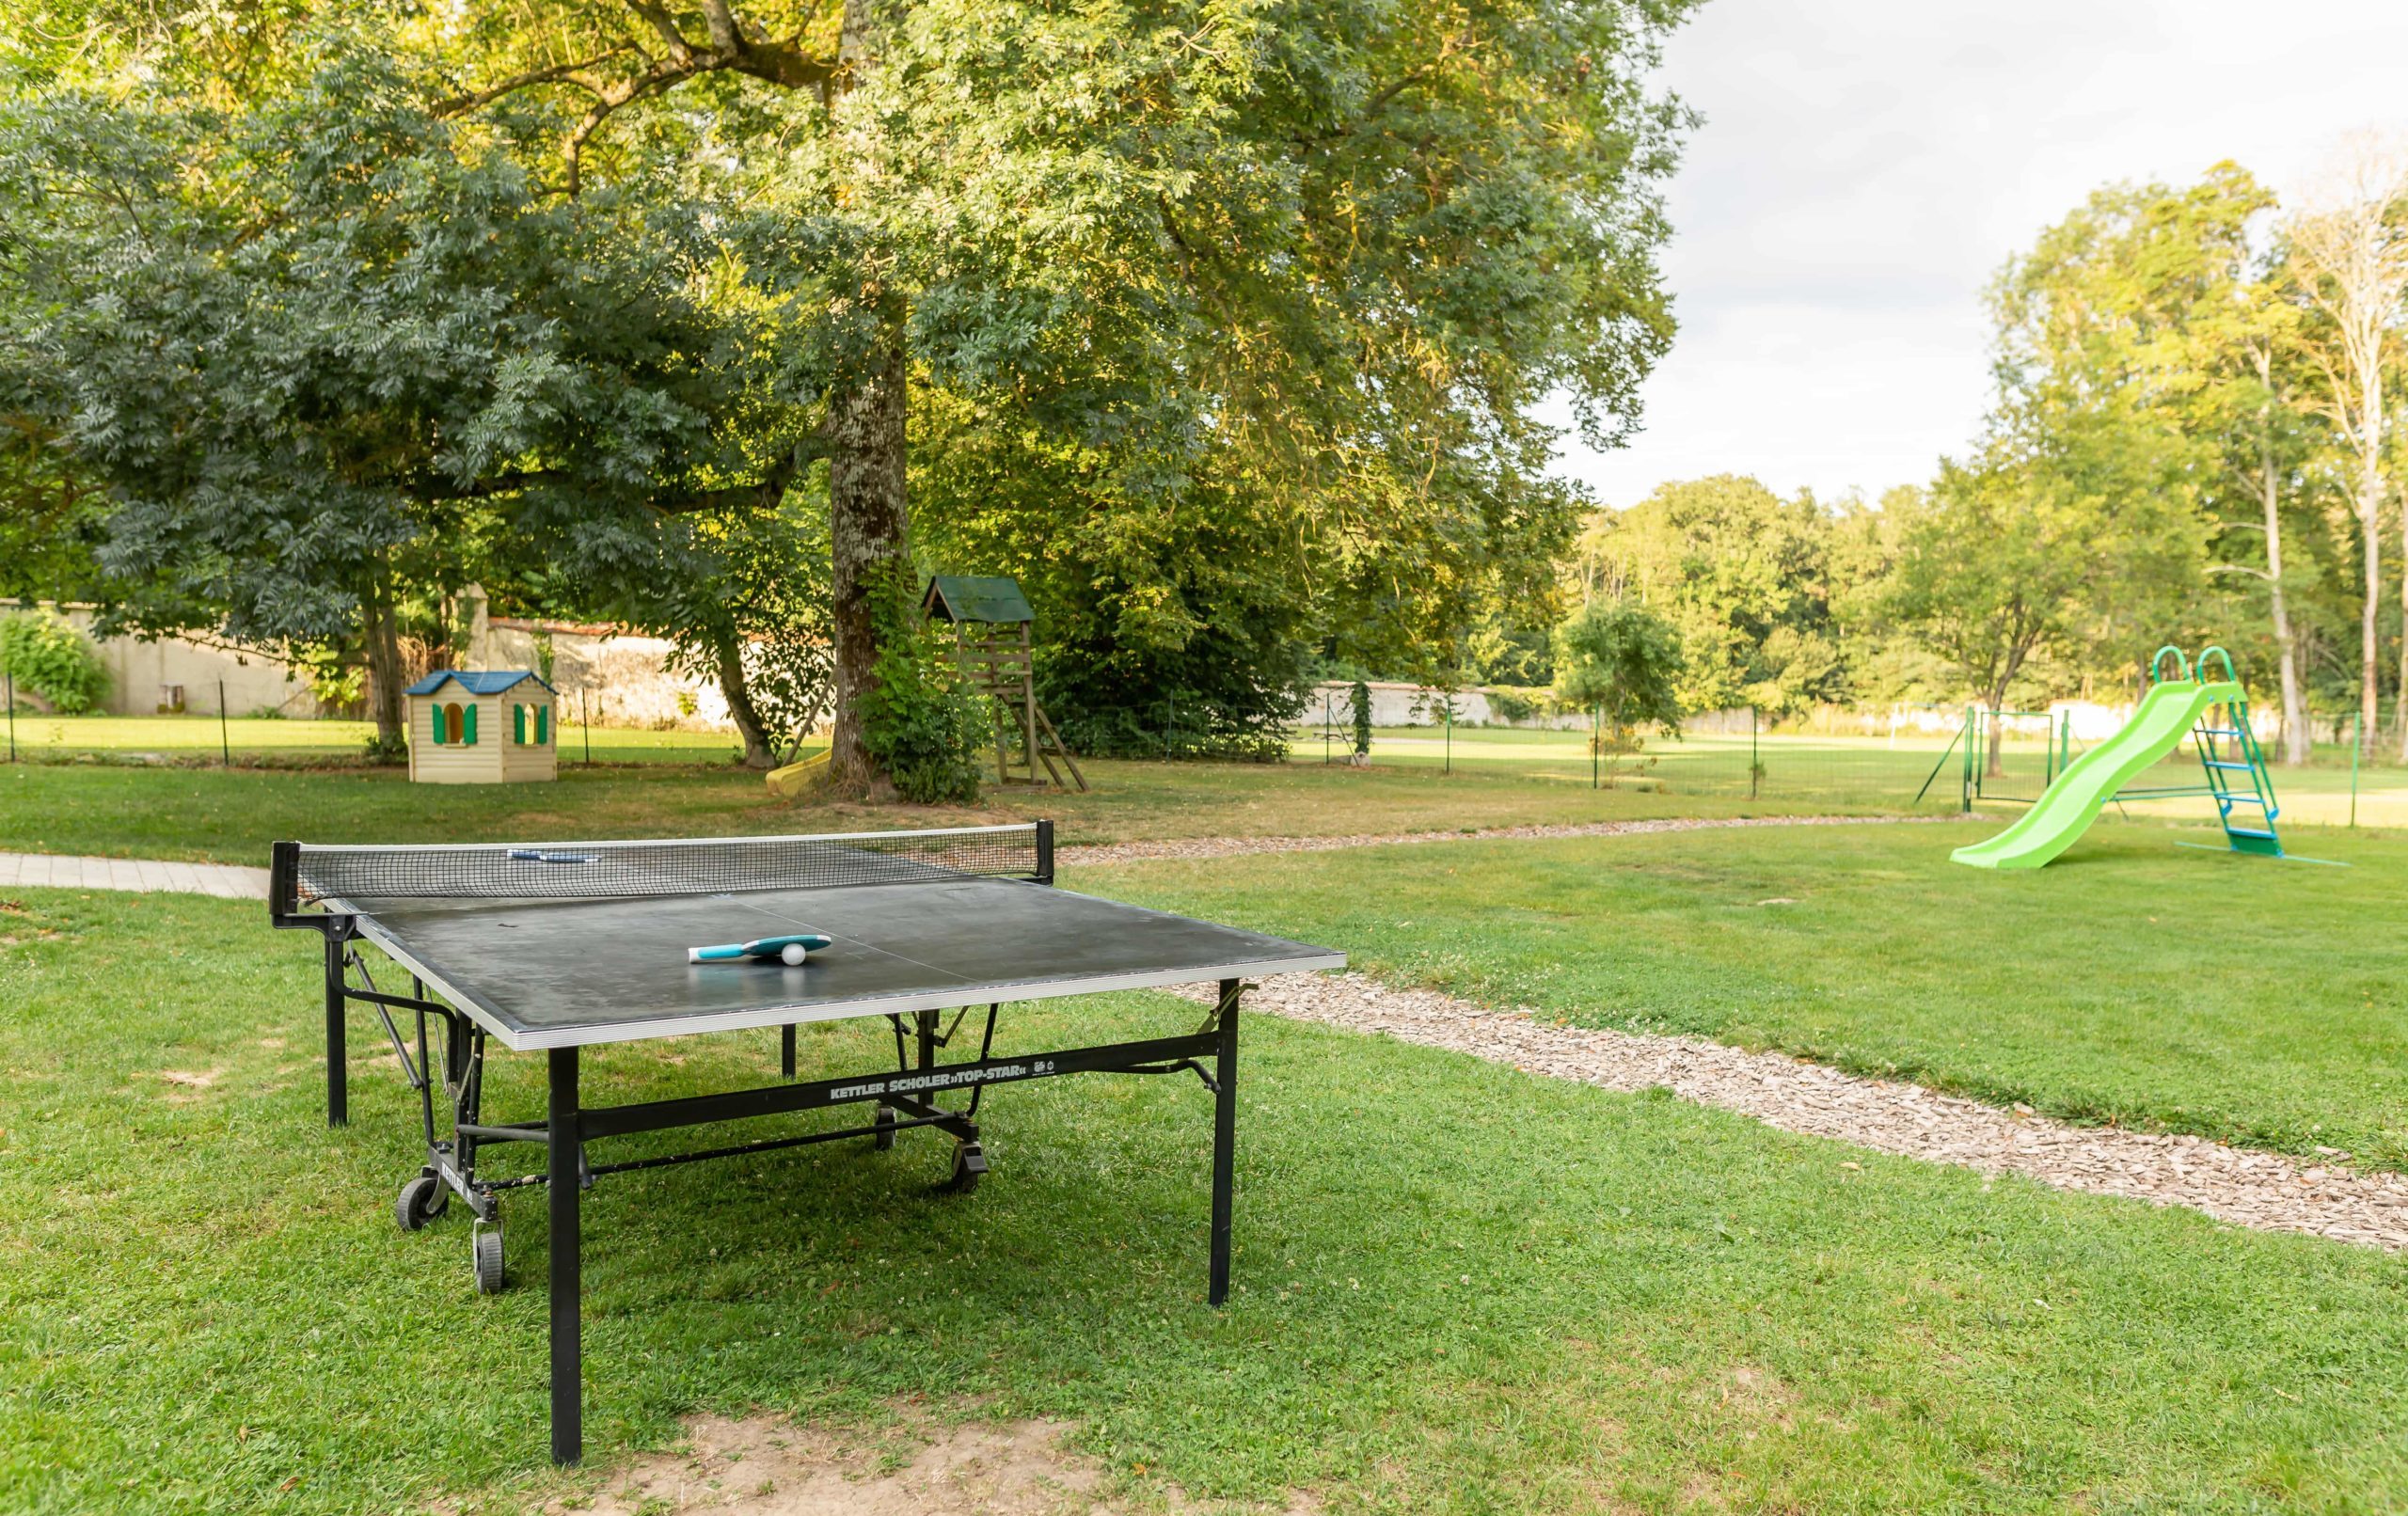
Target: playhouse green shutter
(471,739)
(542,725)
(518,725)
(434,718)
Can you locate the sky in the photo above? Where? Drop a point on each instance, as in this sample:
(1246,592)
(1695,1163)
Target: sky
(1864,166)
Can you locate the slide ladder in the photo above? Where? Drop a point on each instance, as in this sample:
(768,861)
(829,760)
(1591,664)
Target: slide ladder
(2228,751)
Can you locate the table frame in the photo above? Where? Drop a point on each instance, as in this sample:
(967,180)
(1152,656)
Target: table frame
(904,1097)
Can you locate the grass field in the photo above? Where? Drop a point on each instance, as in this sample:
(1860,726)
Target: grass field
(1461,1289)
(221,815)
(2132,980)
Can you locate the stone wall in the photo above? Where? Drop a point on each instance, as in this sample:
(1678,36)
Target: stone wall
(183,673)
(603,673)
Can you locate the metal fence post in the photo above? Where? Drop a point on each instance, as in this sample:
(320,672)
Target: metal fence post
(11,680)
(1596,742)
(2357,741)
(1973,738)
(585,726)
(225,746)
(1450,734)
(1754,767)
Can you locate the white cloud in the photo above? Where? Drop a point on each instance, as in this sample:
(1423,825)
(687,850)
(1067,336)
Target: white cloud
(1865,166)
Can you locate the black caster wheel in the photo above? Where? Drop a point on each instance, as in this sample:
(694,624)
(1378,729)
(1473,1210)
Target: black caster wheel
(484,1245)
(969,1162)
(885,1124)
(420,1201)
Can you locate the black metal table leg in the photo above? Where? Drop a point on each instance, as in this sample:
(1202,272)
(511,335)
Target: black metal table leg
(337,1073)
(563,1138)
(786,1050)
(1225,1136)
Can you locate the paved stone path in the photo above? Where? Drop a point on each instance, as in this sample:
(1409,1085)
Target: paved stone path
(52,871)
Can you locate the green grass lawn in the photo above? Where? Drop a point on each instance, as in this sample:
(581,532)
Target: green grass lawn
(2132,980)
(1460,1288)
(220,815)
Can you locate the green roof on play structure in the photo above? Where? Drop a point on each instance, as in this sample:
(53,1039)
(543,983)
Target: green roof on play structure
(968,597)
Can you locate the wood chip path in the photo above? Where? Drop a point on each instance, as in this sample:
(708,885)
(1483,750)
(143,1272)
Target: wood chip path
(2245,1186)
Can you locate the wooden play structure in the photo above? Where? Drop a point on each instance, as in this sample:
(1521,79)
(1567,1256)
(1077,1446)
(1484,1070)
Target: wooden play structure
(992,648)
(482,727)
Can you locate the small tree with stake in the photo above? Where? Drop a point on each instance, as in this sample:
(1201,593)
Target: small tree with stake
(1620,659)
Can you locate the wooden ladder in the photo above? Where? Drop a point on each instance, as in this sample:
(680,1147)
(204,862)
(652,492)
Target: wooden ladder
(1001,662)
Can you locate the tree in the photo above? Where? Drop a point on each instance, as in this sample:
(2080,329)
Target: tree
(1340,252)
(1741,576)
(2350,256)
(2148,316)
(1622,660)
(743,596)
(2031,549)
(327,354)
(1201,605)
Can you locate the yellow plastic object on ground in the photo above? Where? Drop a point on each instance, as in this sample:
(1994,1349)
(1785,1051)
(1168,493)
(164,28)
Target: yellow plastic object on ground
(2073,802)
(790,781)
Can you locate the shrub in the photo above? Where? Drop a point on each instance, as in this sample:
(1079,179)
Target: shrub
(46,656)
(1513,706)
(1620,659)
(919,720)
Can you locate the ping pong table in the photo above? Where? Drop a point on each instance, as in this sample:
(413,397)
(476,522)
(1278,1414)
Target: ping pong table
(563,946)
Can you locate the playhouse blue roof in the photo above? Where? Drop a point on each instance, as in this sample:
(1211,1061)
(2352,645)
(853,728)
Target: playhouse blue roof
(476,681)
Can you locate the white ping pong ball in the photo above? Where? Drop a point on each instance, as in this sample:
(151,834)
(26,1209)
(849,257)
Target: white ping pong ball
(795,953)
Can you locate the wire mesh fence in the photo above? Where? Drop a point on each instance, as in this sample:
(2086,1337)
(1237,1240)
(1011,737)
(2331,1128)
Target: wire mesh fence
(1933,759)
(1927,758)
(205,735)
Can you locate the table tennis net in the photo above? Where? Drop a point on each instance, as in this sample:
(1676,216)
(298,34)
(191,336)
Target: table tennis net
(587,871)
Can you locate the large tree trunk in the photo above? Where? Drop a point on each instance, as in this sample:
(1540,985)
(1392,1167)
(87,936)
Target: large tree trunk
(868,539)
(740,708)
(868,513)
(385,680)
(2370,641)
(2296,736)
(2400,690)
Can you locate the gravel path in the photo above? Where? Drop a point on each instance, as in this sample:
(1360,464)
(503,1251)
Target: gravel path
(2241,1185)
(1238,846)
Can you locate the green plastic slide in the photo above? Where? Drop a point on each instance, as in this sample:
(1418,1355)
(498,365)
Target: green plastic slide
(2073,802)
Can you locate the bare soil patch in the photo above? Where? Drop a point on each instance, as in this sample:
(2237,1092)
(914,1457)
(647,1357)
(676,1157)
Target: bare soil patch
(770,1467)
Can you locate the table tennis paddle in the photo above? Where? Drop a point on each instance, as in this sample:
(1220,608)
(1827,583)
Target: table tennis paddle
(790,950)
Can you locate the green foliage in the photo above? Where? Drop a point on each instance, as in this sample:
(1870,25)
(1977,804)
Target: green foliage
(1743,577)
(744,597)
(1358,702)
(331,357)
(1618,658)
(46,656)
(1514,705)
(1162,623)
(921,720)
